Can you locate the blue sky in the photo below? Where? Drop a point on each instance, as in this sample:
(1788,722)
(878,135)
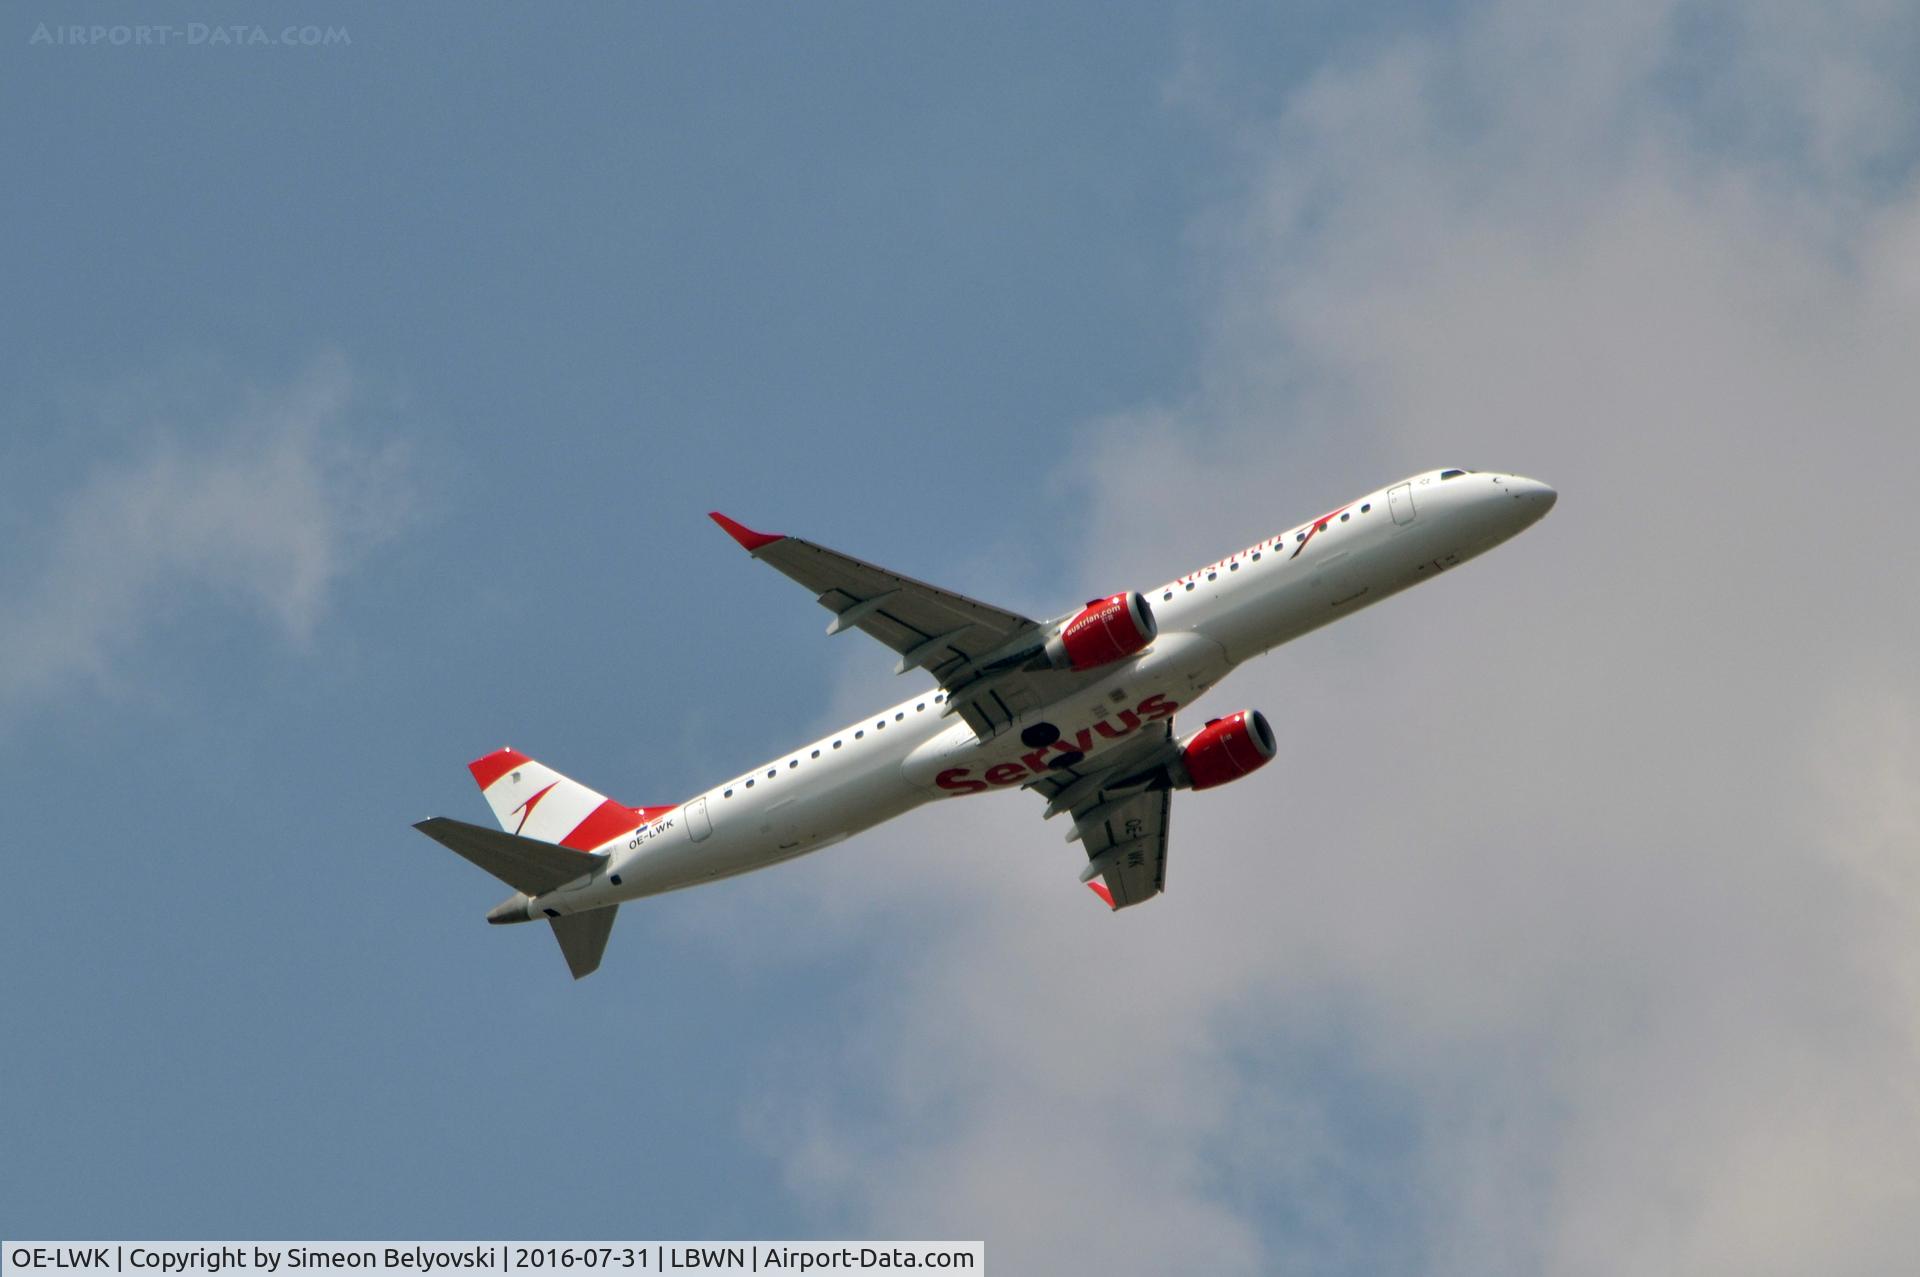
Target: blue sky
(361,406)
(562,285)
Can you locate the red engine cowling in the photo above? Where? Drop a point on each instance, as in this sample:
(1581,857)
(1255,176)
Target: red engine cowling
(1228,748)
(1107,630)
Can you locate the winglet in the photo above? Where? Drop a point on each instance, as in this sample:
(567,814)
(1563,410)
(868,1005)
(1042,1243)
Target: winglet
(1100,889)
(745,535)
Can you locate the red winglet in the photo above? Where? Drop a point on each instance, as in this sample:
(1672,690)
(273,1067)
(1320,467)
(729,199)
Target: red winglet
(1099,889)
(495,765)
(745,535)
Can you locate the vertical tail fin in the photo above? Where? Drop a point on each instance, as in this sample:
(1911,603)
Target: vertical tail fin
(536,805)
(532,800)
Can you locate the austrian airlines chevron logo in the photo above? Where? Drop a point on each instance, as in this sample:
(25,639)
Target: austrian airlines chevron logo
(526,809)
(1319,525)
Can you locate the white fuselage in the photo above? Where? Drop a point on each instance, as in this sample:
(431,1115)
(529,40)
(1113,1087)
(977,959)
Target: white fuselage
(1210,620)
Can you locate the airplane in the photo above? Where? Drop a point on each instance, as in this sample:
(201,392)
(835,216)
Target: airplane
(1078,709)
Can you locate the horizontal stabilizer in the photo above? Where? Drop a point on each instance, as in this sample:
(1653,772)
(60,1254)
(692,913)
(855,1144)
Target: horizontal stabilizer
(583,938)
(525,864)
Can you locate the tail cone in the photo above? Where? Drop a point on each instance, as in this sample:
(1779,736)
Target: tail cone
(515,908)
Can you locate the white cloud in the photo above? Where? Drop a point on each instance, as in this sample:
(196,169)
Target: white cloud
(1574,931)
(259,503)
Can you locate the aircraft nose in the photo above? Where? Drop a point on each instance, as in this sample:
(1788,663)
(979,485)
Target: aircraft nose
(1536,497)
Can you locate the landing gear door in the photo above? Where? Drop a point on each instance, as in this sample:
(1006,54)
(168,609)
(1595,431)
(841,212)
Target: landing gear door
(698,826)
(1400,501)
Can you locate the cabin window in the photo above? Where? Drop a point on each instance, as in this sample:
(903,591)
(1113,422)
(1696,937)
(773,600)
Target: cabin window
(1189,585)
(860,735)
(772,772)
(815,754)
(1344,517)
(728,794)
(1166,596)
(836,744)
(1366,506)
(917,708)
(793,762)
(898,717)
(749,782)
(1256,556)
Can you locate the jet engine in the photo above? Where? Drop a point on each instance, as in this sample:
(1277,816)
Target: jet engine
(1104,631)
(1227,749)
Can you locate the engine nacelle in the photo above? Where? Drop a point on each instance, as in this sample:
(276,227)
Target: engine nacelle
(1105,631)
(1227,749)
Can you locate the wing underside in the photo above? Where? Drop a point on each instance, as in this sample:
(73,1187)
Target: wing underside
(1130,836)
(1122,806)
(989,662)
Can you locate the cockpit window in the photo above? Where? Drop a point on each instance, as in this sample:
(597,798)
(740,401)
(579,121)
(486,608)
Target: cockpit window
(1451,474)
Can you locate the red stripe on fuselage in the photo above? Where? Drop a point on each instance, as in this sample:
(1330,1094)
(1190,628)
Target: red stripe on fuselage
(608,820)
(495,765)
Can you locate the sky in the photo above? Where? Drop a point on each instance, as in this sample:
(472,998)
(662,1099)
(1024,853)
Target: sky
(360,405)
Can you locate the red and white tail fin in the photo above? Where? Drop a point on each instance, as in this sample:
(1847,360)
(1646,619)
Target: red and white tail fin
(532,800)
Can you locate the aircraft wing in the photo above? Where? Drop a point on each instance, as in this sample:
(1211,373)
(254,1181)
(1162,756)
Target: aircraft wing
(990,661)
(1122,807)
